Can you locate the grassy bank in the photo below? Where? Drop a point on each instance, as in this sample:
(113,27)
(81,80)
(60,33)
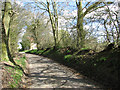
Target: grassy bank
(102,67)
(12,76)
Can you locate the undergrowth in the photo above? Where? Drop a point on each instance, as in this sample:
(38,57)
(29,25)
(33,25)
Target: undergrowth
(13,75)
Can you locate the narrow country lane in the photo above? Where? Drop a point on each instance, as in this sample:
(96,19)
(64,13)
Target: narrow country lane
(46,73)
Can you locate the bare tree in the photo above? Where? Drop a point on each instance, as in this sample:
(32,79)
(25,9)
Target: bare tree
(53,15)
(80,16)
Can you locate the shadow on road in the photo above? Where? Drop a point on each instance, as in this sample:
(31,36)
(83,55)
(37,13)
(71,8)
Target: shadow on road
(46,73)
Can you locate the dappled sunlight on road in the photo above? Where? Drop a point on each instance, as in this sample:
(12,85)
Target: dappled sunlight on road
(46,73)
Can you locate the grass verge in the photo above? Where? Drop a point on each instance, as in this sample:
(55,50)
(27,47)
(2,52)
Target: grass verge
(12,76)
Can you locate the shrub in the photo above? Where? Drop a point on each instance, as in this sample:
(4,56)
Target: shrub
(67,57)
(103,59)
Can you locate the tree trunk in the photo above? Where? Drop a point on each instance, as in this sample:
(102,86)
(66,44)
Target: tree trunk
(80,31)
(119,21)
(107,33)
(5,25)
(5,31)
(56,19)
(80,16)
(54,22)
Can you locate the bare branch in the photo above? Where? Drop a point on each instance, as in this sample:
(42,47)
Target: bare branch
(86,5)
(42,8)
(91,7)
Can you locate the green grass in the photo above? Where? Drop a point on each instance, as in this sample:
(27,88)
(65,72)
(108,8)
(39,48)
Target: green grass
(14,74)
(68,51)
(15,77)
(33,51)
(84,48)
(21,61)
(39,52)
(6,60)
(26,51)
(67,57)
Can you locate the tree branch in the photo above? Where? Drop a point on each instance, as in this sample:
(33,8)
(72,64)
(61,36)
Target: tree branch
(91,7)
(42,8)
